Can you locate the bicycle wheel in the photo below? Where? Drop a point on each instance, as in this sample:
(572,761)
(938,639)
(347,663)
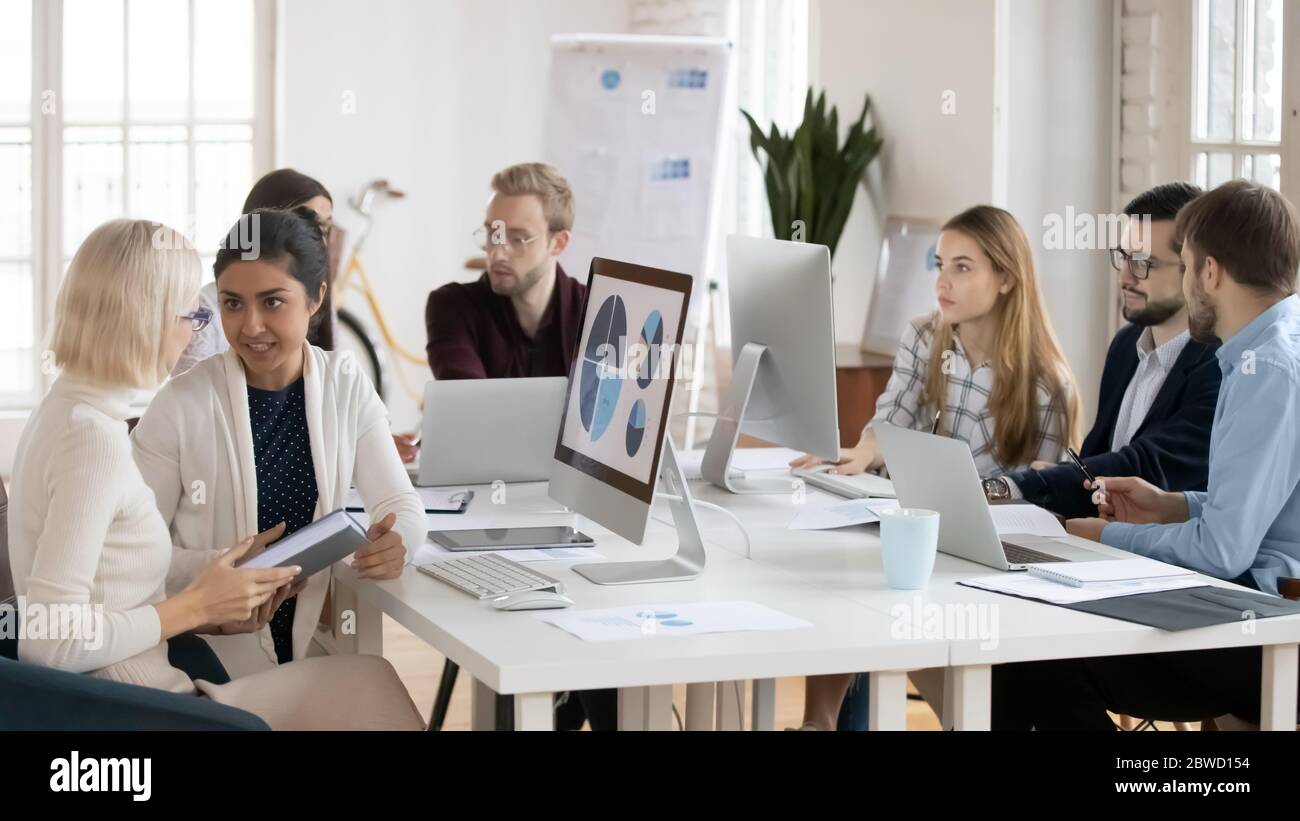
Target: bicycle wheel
(352,336)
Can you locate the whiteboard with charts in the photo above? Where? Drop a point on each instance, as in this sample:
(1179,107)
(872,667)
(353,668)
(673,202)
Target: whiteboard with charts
(634,123)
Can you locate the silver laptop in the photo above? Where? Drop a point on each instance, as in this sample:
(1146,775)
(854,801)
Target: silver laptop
(479,431)
(938,473)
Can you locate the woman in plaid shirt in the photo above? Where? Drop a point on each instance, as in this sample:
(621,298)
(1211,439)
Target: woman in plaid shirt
(985,368)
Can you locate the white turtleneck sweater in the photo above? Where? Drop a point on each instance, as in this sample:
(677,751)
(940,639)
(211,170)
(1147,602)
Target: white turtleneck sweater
(85,535)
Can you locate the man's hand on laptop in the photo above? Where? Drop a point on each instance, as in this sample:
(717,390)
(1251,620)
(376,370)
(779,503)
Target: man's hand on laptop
(1137,501)
(407,446)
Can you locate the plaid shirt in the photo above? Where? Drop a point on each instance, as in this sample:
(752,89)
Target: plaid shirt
(966,415)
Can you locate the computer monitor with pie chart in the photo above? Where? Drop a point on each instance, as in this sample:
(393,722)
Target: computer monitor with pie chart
(613,446)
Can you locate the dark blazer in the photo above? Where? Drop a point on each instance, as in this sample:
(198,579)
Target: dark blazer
(1171,449)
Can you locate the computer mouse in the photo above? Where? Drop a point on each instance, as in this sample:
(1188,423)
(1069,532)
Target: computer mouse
(532,600)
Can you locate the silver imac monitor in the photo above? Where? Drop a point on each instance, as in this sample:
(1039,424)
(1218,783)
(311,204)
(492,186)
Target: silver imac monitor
(783,356)
(613,443)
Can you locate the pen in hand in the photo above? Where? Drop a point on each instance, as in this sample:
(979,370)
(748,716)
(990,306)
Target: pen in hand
(1099,497)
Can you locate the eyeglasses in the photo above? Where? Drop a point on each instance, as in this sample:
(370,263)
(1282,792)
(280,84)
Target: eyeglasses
(1139,267)
(200,318)
(514,246)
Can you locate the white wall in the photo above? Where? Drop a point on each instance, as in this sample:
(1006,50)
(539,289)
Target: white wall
(933,165)
(446,93)
(1031,133)
(1059,110)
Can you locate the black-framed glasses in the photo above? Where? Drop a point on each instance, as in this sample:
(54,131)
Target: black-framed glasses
(200,319)
(1139,266)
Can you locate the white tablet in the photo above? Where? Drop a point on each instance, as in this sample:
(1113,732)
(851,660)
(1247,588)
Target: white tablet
(316,546)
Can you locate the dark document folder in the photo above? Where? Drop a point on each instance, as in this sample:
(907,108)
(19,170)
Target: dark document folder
(1190,607)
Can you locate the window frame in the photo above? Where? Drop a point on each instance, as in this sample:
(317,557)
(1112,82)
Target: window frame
(47,160)
(1288,146)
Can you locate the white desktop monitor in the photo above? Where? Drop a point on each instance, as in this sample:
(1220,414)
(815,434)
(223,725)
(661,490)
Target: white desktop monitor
(783,353)
(615,417)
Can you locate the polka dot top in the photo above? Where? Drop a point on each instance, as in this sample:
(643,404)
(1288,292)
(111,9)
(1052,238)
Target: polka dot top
(286,480)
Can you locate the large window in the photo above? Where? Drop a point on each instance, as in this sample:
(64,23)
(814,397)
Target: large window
(1237,107)
(771,81)
(152,109)
(17,293)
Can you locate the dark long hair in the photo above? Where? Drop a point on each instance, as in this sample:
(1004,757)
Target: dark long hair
(286,189)
(290,240)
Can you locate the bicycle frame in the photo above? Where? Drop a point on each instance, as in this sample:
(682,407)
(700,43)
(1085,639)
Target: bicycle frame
(363,204)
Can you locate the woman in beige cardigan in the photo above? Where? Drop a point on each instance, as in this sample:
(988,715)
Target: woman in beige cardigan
(271,434)
(86,537)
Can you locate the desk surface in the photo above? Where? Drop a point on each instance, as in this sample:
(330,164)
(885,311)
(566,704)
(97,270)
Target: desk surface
(518,653)
(847,562)
(833,579)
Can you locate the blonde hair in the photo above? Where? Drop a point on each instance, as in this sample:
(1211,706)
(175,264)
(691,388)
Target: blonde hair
(128,284)
(546,183)
(1026,351)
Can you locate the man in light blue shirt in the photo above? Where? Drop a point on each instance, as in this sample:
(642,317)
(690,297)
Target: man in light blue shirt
(1247,526)
(1241,251)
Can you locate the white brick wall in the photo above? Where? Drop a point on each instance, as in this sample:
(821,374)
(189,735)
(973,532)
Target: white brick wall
(1139,115)
(697,17)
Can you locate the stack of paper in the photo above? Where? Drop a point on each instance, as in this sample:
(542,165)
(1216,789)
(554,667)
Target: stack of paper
(1026,520)
(842,514)
(1087,574)
(1032,587)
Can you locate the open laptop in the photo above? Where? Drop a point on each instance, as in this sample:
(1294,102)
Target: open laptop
(479,431)
(938,473)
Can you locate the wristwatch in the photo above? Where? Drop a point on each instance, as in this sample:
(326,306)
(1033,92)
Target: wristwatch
(997,490)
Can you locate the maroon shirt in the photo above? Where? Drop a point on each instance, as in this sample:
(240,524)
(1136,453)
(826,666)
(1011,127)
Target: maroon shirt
(475,334)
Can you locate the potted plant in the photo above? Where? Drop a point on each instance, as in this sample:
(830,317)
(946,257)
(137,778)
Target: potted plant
(811,178)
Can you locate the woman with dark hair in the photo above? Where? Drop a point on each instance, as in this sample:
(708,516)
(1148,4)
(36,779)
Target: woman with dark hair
(86,535)
(269,436)
(282,189)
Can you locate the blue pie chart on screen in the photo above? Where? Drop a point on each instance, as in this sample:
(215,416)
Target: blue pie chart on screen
(636,428)
(599,382)
(652,337)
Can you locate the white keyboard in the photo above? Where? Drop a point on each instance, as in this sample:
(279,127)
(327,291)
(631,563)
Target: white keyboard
(488,576)
(862,486)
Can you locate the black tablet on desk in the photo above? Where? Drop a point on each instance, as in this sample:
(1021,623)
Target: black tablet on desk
(316,546)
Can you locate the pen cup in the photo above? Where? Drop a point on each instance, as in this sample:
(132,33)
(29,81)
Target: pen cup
(909,540)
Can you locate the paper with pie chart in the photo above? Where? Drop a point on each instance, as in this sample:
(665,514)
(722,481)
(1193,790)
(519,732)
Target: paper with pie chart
(620,378)
(671,620)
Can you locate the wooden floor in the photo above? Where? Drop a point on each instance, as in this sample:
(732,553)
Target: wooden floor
(420,667)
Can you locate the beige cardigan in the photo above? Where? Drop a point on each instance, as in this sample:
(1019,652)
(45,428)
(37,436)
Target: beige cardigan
(194,447)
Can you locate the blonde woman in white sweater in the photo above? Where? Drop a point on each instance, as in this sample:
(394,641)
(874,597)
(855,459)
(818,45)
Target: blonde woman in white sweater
(85,535)
(271,434)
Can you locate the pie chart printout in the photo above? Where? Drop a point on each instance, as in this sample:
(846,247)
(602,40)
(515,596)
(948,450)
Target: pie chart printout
(600,384)
(636,428)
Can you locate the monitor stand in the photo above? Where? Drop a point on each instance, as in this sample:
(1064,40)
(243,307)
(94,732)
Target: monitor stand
(686,563)
(716,467)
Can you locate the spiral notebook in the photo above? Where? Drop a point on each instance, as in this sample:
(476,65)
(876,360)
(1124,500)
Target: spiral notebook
(1082,574)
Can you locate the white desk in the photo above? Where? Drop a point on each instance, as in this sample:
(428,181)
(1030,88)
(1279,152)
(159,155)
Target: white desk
(847,562)
(515,653)
(833,579)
